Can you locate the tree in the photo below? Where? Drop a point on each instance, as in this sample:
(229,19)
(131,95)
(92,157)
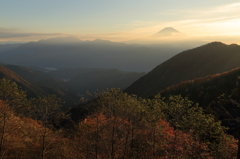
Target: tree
(6,116)
(124,126)
(229,110)
(184,115)
(12,95)
(11,137)
(45,110)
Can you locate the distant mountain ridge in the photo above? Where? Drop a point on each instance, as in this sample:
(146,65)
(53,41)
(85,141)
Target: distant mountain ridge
(208,59)
(7,47)
(61,40)
(1,63)
(70,52)
(69,73)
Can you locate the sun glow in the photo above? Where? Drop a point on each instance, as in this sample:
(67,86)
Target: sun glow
(220,21)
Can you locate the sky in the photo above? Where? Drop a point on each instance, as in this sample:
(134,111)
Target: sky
(118,20)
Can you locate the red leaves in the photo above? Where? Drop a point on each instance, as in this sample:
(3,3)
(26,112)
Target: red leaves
(115,135)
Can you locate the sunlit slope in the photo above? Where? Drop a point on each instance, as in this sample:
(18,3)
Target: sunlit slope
(34,90)
(28,74)
(10,75)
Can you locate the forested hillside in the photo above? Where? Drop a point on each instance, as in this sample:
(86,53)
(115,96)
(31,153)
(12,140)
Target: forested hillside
(208,59)
(117,126)
(119,79)
(114,124)
(204,90)
(28,74)
(35,91)
(77,80)
(218,94)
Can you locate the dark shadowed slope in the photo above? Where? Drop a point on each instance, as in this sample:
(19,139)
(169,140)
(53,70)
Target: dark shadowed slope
(69,73)
(204,90)
(102,79)
(93,79)
(79,79)
(55,83)
(215,93)
(209,59)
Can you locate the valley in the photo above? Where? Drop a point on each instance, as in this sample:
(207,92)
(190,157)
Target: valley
(64,82)
(122,79)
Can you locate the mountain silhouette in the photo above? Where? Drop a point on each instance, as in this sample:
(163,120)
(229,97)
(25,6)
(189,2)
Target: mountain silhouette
(61,40)
(168,31)
(7,47)
(208,59)
(60,53)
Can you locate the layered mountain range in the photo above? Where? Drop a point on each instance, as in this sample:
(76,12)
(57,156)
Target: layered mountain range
(70,52)
(44,59)
(77,81)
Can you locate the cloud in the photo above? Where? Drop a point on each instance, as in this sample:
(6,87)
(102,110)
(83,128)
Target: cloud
(234,39)
(138,23)
(207,11)
(223,20)
(229,7)
(15,33)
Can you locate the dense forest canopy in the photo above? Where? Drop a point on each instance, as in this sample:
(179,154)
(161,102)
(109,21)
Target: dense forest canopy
(112,124)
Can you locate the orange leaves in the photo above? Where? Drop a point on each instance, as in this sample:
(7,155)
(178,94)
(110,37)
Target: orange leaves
(105,136)
(113,136)
(166,129)
(95,119)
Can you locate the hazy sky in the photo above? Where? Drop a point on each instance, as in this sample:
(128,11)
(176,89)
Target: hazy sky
(118,20)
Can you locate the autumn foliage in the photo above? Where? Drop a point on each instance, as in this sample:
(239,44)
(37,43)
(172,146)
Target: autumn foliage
(119,126)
